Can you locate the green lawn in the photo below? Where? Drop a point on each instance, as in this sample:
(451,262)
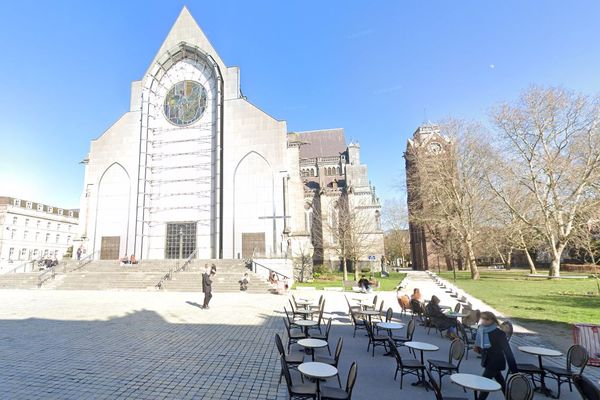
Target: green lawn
(540,300)
(335,280)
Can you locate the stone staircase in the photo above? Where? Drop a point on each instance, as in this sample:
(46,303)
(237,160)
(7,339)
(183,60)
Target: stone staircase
(22,280)
(110,275)
(227,278)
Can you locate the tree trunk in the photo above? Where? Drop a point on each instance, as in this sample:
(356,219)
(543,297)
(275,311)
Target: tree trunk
(345,269)
(557,250)
(355,263)
(530,262)
(471,259)
(508,261)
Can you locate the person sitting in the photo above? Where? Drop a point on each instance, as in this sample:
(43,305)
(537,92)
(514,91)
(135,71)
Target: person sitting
(364,285)
(416,295)
(124,260)
(273,278)
(132,260)
(439,320)
(403,301)
(373,282)
(244,282)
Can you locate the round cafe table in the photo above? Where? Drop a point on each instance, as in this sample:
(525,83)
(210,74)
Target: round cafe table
(475,382)
(421,346)
(541,352)
(304,303)
(311,345)
(369,313)
(305,313)
(453,314)
(442,307)
(390,326)
(317,371)
(305,324)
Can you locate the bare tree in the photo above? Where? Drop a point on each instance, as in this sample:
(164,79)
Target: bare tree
(350,232)
(395,223)
(548,147)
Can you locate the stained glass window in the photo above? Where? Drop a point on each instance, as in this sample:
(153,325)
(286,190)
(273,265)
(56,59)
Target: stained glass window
(185,103)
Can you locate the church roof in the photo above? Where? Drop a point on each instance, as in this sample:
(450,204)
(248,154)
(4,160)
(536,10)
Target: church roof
(322,143)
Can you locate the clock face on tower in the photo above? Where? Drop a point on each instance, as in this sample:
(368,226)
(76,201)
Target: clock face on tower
(185,103)
(434,148)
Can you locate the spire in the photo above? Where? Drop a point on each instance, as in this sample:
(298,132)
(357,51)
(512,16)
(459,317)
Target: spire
(186,29)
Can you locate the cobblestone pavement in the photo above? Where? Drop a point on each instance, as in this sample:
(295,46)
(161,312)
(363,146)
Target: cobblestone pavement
(137,345)
(152,345)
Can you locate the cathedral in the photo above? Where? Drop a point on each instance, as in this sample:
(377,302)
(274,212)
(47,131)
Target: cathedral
(193,167)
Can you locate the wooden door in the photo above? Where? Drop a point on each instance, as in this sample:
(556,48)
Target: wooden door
(109,247)
(253,244)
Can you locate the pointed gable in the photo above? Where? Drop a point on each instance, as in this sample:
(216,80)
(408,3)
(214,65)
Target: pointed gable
(186,29)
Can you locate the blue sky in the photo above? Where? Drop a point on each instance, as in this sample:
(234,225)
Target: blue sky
(377,69)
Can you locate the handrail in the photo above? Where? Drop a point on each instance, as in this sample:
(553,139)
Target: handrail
(83,262)
(43,278)
(169,275)
(255,264)
(23,264)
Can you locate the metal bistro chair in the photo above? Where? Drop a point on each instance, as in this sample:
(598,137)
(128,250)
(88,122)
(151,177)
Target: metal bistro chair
(291,359)
(577,358)
(443,367)
(318,306)
(381,311)
(471,321)
(293,337)
(388,318)
(372,307)
(438,391)
(290,319)
(410,331)
(335,359)
(358,323)
(467,338)
(293,308)
(457,308)
(518,387)
(331,393)
(320,319)
(406,367)
(416,309)
(376,340)
(325,336)
(297,391)
(586,388)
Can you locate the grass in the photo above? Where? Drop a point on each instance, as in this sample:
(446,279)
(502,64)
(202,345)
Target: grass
(562,301)
(335,280)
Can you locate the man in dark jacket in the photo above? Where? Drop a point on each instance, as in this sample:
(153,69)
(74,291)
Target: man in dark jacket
(207,285)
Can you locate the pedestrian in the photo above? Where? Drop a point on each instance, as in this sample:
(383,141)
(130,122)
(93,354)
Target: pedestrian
(207,285)
(491,342)
(79,251)
(244,280)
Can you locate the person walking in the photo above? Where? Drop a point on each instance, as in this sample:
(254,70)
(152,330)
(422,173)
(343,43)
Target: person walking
(207,285)
(491,342)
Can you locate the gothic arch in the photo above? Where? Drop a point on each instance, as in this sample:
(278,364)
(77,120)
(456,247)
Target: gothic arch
(113,198)
(256,187)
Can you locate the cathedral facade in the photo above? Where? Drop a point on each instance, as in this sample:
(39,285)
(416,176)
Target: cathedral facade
(193,166)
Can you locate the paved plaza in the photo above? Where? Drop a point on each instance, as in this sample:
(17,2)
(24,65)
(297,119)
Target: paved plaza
(156,345)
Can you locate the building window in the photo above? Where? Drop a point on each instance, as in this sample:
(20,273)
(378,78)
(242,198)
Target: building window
(15,219)
(57,238)
(35,252)
(48,226)
(17,203)
(40,207)
(71,214)
(69,227)
(11,253)
(25,234)
(60,211)
(68,239)
(88,190)
(23,253)
(13,233)
(47,237)
(28,205)
(37,224)
(26,221)
(37,236)
(58,227)
(50,210)
(45,252)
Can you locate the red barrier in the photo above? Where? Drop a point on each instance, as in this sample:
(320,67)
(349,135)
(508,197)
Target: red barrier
(588,336)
